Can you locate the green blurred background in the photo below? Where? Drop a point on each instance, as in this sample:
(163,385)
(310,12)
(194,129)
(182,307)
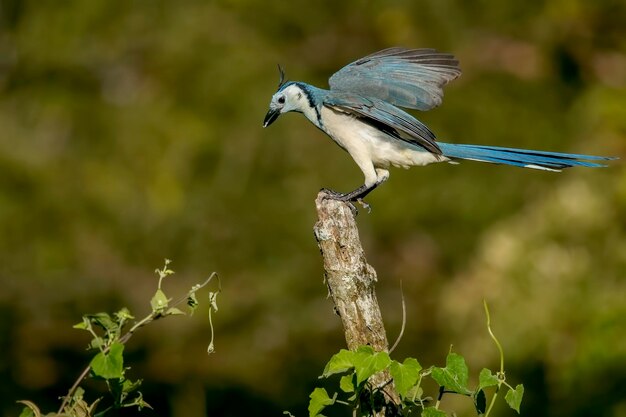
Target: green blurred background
(130,131)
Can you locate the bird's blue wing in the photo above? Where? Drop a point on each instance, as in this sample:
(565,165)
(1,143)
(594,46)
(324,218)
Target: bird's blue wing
(410,78)
(386,117)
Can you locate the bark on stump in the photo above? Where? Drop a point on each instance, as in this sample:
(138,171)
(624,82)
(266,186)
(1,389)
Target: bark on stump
(351,281)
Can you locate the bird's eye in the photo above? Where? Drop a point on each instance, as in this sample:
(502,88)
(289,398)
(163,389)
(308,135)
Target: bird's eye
(281,100)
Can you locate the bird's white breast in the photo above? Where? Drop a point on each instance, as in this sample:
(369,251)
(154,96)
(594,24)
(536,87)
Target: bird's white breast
(364,142)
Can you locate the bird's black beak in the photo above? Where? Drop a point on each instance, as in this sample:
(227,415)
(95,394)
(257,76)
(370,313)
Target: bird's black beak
(270,117)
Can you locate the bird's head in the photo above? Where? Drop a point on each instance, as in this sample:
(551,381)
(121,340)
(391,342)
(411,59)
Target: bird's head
(289,97)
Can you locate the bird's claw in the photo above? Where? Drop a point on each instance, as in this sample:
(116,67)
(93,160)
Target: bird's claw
(353,209)
(364,205)
(334,195)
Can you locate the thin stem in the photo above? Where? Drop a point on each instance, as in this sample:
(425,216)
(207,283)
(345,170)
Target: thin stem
(149,318)
(382,389)
(403,320)
(501,376)
(493,401)
(419,383)
(507,385)
(441,392)
(73,388)
(211,348)
(199,286)
(103,412)
(493,337)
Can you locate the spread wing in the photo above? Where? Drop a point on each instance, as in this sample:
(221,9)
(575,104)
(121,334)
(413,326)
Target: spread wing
(386,117)
(410,78)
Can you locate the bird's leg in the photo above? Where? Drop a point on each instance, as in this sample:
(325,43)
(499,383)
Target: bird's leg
(359,194)
(381,176)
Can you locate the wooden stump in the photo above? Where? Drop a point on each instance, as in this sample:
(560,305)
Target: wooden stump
(351,281)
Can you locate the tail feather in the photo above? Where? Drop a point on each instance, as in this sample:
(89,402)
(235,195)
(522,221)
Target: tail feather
(525,158)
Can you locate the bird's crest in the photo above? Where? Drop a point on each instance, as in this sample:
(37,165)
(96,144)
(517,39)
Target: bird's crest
(281,75)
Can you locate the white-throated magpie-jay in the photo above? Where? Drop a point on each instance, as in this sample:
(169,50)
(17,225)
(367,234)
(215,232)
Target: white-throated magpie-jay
(361,113)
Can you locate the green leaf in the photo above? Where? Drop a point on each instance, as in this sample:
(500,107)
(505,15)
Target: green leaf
(319,400)
(486,379)
(173,311)
(339,362)
(415,393)
(103,320)
(27,412)
(346,384)
(159,301)
(138,402)
(96,343)
(367,364)
(123,315)
(365,349)
(365,361)
(84,325)
(454,376)
(433,412)
(121,388)
(79,393)
(129,386)
(405,375)
(109,365)
(514,397)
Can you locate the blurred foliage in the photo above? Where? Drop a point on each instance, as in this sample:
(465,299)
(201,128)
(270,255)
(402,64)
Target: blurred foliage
(110,333)
(131,131)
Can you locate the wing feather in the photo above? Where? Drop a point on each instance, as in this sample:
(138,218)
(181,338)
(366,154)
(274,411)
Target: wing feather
(386,117)
(410,78)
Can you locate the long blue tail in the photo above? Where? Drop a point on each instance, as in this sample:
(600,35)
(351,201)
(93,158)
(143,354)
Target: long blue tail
(525,158)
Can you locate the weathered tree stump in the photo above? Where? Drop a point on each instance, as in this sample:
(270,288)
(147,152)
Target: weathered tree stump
(351,281)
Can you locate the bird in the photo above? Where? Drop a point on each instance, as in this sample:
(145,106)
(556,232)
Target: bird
(362,113)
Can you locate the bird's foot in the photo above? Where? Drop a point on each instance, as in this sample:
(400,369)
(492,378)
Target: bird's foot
(348,199)
(335,195)
(345,198)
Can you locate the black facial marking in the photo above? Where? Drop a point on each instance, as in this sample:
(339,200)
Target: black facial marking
(307,93)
